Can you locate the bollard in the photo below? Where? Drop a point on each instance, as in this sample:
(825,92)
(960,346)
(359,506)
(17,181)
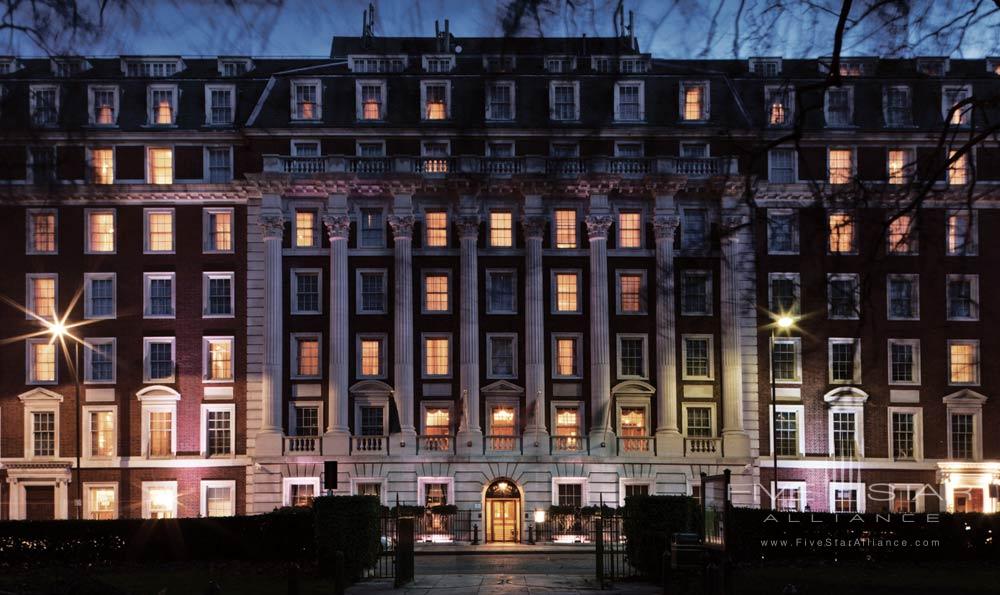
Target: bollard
(531,533)
(475,534)
(339,573)
(599,523)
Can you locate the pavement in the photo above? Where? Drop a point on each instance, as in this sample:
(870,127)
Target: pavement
(503,569)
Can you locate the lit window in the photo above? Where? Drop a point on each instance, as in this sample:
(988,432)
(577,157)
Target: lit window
(437,356)
(41,296)
(630,293)
(305,100)
(436,100)
(565,228)
(694,105)
(437,228)
(160,500)
(371,96)
(779,105)
(161,105)
(102,166)
(845,500)
(161,166)
(841,232)
(42,232)
(958,170)
(305,229)
(900,166)
(951,97)
(567,429)
(963,362)
(437,422)
(219,501)
(567,364)
(629,230)
(101,225)
(902,235)
(567,290)
(42,368)
(962,234)
(301,494)
(105,105)
(219,359)
(161,432)
(102,503)
(502,428)
(435,157)
(501,229)
(220,231)
(633,424)
(159,231)
(306,356)
(841,166)
(371,357)
(436,295)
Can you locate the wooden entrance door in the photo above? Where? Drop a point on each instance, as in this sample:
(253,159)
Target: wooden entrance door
(39,503)
(969,500)
(504,516)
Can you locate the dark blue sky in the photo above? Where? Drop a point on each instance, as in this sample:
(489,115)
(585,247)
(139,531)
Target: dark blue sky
(667,28)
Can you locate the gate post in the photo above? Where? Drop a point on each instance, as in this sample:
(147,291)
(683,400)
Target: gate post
(599,547)
(404,551)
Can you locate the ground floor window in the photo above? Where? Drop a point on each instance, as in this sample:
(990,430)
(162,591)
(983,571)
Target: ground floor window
(847,497)
(102,502)
(159,499)
(218,498)
(299,491)
(569,494)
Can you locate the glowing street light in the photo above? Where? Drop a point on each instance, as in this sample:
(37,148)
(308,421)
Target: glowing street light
(784,323)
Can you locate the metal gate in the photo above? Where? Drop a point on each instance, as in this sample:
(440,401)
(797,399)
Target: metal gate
(395,558)
(613,563)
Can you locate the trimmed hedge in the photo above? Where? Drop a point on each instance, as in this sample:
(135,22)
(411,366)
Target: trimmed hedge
(352,525)
(764,535)
(280,536)
(649,523)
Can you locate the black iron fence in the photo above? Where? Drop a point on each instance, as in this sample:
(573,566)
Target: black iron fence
(443,527)
(385,564)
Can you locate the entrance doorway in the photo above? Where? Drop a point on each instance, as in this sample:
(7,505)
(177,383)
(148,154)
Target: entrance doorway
(39,503)
(969,500)
(503,512)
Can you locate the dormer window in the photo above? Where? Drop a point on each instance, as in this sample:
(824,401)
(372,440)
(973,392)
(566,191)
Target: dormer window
(44,105)
(765,67)
(162,101)
(694,101)
(103,105)
(636,65)
(151,68)
(370,100)
(306,100)
(234,66)
(932,66)
(219,104)
(560,64)
(8,65)
(435,99)
(780,105)
(68,67)
(950,98)
(369,64)
(499,63)
(441,63)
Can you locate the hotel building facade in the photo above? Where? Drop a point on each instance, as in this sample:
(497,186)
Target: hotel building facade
(502,274)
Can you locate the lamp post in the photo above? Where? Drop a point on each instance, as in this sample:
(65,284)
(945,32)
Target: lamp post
(59,330)
(783,323)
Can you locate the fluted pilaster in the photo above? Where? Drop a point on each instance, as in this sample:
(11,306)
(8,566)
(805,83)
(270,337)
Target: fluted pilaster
(402,233)
(668,436)
(736,443)
(338,229)
(270,441)
(468,233)
(600,341)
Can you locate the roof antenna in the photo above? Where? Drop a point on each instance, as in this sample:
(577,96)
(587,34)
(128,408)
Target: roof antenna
(615,18)
(368,25)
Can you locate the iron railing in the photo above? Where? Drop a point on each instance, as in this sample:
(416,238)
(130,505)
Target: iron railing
(438,527)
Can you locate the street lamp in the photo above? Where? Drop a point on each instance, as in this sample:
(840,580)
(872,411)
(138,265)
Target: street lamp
(58,330)
(782,323)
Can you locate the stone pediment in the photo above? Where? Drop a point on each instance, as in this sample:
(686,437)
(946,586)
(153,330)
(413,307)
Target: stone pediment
(633,387)
(502,387)
(40,395)
(846,395)
(158,392)
(965,397)
(371,388)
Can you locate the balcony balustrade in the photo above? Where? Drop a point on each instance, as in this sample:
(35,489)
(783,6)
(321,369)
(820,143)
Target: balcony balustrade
(436,443)
(370,445)
(636,445)
(303,445)
(502,443)
(569,444)
(703,447)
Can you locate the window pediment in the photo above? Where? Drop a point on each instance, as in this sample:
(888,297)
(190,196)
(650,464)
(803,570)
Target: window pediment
(965,397)
(372,388)
(501,388)
(847,395)
(40,395)
(157,392)
(633,387)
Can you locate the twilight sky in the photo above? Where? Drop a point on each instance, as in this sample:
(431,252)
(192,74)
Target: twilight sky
(667,28)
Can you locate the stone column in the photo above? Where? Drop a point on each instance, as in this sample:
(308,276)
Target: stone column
(401,222)
(602,434)
(735,440)
(270,438)
(669,441)
(470,436)
(536,436)
(338,225)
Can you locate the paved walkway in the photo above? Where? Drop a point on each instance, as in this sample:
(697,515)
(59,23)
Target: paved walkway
(503,570)
(460,584)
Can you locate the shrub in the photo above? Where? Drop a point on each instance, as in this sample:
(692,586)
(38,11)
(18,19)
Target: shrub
(649,523)
(352,525)
(262,537)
